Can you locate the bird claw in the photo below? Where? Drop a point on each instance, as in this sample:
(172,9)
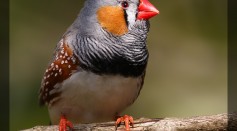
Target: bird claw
(64,123)
(128,120)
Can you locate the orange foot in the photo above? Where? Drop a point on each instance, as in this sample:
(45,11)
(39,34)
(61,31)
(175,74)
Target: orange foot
(128,120)
(64,123)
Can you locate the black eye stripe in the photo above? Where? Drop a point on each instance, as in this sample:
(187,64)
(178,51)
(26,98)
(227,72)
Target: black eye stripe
(126,17)
(136,14)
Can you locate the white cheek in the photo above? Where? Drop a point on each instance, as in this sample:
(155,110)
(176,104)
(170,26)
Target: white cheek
(131,19)
(131,16)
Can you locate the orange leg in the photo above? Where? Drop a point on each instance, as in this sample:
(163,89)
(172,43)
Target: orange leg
(64,123)
(128,120)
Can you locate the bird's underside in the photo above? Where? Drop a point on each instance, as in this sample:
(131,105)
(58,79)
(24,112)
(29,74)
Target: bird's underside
(84,96)
(87,97)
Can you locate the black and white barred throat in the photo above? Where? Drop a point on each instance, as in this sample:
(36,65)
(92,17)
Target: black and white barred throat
(125,55)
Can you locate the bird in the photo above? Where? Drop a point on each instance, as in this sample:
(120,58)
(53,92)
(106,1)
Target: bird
(99,64)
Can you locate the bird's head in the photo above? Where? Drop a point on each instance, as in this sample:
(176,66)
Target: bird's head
(115,16)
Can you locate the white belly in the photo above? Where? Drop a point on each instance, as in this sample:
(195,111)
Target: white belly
(87,97)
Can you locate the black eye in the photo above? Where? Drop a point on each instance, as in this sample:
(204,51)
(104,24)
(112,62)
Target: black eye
(124,4)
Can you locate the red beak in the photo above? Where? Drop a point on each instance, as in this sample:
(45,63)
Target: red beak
(146,10)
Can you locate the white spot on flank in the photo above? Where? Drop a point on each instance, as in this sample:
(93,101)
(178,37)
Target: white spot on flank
(60,70)
(48,76)
(60,56)
(66,61)
(66,54)
(62,51)
(61,43)
(56,66)
(44,77)
(69,66)
(47,83)
(56,74)
(62,61)
(47,70)
(68,58)
(52,64)
(74,61)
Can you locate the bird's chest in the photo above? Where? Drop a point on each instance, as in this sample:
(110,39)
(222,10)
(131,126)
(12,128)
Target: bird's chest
(87,97)
(113,56)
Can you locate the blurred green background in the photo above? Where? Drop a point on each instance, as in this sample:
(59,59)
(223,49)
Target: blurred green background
(186,74)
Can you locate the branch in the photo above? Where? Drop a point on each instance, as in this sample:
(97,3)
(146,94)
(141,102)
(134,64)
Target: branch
(204,123)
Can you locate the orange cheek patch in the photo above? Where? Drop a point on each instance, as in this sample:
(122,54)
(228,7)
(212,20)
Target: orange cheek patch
(112,19)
